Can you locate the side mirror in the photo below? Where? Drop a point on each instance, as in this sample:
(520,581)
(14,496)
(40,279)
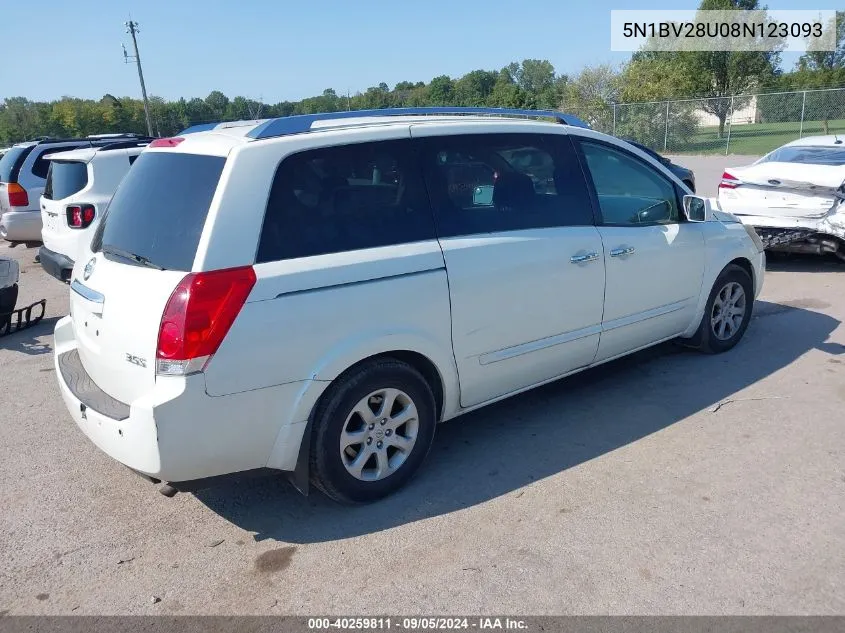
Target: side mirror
(697,209)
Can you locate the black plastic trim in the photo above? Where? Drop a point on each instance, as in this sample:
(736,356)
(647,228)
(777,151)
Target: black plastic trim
(86,391)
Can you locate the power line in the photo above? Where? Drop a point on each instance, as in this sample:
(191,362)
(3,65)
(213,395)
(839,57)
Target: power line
(132,29)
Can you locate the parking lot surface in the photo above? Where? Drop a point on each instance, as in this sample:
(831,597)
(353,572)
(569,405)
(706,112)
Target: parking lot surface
(666,483)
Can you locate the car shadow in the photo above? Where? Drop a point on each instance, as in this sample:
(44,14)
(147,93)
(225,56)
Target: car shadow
(26,340)
(799,263)
(504,447)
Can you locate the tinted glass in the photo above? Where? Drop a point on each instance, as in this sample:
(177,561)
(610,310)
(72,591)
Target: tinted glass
(629,191)
(41,166)
(807,154)
(159,210)
(486,183)
(10,163)
(344,198)
(65,178)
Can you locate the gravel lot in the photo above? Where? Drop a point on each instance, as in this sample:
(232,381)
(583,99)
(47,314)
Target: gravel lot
(668,482)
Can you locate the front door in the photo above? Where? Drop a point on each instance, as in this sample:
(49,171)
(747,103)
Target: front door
(654,260)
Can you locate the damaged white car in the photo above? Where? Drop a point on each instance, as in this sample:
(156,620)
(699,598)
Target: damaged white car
(792,196)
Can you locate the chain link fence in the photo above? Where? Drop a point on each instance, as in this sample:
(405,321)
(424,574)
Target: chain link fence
(742,124)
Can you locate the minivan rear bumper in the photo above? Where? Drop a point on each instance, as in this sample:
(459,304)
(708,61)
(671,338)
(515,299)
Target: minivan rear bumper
(57,265)
(177,432)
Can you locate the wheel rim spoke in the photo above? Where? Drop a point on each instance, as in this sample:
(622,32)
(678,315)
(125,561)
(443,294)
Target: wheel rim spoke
(403,443)
(356,466)
(364,411)
(406,415)
(351,438)
(383,464)
(388,401)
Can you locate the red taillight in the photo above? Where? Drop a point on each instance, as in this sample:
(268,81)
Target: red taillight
(17,195)
(729,181)
(198,316)
(166,142)
(80,216)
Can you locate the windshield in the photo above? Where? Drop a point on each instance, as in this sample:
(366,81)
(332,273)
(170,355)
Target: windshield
(65,178)
(158,212)
(806,155)
(10,163)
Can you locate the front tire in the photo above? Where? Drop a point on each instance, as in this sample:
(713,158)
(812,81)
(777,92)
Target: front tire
(372,431)
(728,311)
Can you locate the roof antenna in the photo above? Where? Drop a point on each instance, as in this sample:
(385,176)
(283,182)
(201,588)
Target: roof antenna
(836,139)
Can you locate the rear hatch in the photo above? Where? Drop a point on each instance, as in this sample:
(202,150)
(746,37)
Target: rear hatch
(143,247)
(10,166)
(786,190)
(64,179)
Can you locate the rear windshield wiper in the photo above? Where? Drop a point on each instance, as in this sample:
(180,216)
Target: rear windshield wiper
(138,259)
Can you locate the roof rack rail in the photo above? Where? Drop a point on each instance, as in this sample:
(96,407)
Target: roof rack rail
(111,135)
(297,124)
(220,125)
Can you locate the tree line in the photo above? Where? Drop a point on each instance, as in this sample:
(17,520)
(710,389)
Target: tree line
(531,83)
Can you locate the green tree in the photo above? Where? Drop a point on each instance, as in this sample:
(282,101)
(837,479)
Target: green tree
(591,94)
(441,91)
(474,88)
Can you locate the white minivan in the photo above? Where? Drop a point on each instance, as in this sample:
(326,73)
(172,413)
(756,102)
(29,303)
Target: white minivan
(313,294)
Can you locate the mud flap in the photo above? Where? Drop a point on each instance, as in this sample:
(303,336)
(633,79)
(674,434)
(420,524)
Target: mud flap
(300,477)
(21,318)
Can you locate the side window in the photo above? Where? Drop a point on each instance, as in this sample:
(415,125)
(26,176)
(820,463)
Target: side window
(345,198)
(485,183)
(629,191)
(40,166)
(133,158)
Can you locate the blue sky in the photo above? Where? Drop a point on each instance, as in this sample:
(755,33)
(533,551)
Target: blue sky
(288,49)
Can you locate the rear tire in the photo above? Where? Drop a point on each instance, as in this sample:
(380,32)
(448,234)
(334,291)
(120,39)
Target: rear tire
(371,431)
(728,311)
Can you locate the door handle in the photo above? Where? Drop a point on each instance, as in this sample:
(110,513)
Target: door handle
(587,257)
(619,252)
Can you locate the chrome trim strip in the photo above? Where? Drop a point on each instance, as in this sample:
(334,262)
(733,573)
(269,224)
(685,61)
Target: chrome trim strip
(535,346)
(644,316)
(86,293)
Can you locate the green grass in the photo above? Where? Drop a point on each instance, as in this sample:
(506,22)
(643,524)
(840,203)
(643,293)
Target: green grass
(754,139)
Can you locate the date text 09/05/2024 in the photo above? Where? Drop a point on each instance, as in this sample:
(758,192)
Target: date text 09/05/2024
(773,30)
(417,624)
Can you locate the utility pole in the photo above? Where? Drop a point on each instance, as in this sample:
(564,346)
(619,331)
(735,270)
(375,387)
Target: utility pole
(132,29)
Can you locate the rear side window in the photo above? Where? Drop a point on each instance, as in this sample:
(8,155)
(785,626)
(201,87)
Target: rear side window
(158,212)
(10,163)
(65,178)
(345,198)
(489,183)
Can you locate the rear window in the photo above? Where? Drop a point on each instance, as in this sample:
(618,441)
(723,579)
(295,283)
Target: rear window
(807,155)
(65,178)
(10,163)
(159,210)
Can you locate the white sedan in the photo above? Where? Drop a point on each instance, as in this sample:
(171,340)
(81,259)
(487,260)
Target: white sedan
(792,196)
